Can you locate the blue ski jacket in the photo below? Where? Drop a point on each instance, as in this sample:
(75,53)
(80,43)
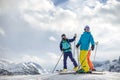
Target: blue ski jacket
(85,40)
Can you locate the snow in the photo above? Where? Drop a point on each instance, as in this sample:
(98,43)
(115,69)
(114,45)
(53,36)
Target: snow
(55,76)
(27,77)
(107,76)
(4,63)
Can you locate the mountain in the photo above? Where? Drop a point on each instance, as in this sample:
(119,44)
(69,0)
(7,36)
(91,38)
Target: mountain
(115,65)
(102,65)
(112,66)
(4,64)
(32,68)
(25,68)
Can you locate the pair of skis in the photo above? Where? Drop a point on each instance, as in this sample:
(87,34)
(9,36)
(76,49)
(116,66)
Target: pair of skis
(74,72)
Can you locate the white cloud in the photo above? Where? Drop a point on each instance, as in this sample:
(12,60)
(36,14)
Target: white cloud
(50,17)
(37,5)
(41,60)
(66,20)
(104,19)
(2,32)
(7,6)
(53,57)
(52,39)
(27,58)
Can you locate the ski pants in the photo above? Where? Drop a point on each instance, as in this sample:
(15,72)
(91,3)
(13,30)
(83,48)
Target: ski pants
(89,61)
(83,60)
(66,55)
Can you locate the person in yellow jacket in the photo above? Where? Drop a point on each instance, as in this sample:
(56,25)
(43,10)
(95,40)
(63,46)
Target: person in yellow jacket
(84,42)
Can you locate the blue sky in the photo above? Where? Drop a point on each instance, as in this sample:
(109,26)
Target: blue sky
(58,2)
(30,30)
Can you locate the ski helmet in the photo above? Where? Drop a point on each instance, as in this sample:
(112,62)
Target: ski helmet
(63,35)
(87,28)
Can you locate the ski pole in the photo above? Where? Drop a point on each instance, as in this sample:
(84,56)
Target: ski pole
(96,50)
(74,50)
(78,56)
(57,63)
(74,44)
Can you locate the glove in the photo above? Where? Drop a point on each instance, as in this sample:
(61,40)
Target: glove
(92,47)
(75,35)
(77,45)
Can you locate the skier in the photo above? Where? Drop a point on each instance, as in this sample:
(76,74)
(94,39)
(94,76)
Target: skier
(90,62)
(66,49)
(84,42)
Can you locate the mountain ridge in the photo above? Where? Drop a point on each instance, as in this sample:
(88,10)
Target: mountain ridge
(24,68)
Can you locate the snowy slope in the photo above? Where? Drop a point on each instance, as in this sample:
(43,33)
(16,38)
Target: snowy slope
(107,76)
(7,68)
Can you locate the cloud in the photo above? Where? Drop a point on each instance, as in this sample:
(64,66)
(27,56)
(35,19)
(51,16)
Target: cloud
(48,17)
(47,60)
(52,39)
(42,18)
(28,58)
(9,5)
(53,57)
(2,32)
(59,19)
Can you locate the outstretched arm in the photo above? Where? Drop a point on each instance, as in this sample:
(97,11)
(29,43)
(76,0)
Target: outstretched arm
(71,40)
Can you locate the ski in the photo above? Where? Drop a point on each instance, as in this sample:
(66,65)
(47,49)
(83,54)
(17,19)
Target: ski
(74,72)
(67,72)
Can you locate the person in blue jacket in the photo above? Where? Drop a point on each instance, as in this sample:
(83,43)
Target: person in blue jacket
(84,42)
(66,49)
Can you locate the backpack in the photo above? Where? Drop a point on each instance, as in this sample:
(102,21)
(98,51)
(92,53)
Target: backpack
(66,46)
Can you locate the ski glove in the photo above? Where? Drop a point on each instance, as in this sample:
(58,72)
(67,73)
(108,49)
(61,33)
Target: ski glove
(75,36)
(77,45)
(92,47)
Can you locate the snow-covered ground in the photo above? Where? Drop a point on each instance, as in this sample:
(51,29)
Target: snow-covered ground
(27,77)
(107,76)
(55,76)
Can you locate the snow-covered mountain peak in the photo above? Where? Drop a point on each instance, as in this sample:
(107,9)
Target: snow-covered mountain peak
(21,68)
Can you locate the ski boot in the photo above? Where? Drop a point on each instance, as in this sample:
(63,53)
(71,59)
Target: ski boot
(75,68)
(80,71)
(64,70)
